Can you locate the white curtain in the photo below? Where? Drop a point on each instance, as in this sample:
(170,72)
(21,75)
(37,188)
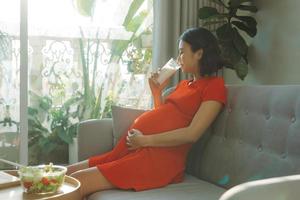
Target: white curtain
(171,18)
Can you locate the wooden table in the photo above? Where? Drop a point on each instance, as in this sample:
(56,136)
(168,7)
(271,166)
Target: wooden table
(68,191)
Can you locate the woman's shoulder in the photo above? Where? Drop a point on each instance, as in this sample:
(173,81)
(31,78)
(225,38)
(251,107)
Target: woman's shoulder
(182,82)
(215,83)
(211,80)
(216,80)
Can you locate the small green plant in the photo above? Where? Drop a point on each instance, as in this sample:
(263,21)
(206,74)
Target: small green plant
(50,126)
(233,46)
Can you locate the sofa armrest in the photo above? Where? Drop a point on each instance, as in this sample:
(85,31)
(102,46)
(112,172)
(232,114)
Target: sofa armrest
(93,137)
(286,187)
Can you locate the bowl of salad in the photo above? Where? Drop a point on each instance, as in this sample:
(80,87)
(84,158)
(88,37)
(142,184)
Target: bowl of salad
(42,179)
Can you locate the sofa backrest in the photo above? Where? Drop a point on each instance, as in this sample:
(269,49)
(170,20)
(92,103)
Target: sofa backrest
(256,136)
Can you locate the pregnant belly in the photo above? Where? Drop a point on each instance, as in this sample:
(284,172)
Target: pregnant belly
(164,118)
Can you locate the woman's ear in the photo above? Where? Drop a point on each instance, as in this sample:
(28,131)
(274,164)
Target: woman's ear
(199,54)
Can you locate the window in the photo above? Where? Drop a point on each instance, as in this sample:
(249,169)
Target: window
(82,58)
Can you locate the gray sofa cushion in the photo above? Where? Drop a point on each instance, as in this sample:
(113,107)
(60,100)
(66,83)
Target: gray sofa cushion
(256,136)
(191,189)
(122,119)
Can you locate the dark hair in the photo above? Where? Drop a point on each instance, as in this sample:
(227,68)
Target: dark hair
(201,38)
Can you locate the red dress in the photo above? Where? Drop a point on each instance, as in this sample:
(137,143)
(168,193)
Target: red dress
(154,167)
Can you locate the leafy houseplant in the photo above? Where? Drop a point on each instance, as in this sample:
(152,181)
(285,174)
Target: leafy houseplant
(50,129)
(233,46)
(139,58)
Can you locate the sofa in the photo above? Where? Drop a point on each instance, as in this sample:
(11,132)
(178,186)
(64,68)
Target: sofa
(252,150)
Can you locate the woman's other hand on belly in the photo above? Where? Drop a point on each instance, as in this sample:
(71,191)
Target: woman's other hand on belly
(135,139)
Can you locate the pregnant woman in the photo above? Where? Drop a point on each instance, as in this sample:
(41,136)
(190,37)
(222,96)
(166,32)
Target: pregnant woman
(152,153)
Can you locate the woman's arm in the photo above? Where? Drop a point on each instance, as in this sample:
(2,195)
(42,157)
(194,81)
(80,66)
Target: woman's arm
(157,100)
(156,89)
(205,115)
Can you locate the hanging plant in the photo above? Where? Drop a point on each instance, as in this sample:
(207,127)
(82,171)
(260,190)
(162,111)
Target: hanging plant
(233,46)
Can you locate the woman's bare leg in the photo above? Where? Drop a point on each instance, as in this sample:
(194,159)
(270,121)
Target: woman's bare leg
(91,180)
(77,166)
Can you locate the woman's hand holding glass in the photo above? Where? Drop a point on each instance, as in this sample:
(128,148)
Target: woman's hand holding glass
(159,80)
(155,87)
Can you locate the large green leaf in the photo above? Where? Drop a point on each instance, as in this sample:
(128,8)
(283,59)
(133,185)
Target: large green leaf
(250,21)
(96,111)
(207,12)
(95,64)
(225,32)
(209,23)
(72,130)
(245,57)
(241,69)
(239,43)
(84,64)
(219,2)
(85,7)
(46,144)
(236,3)
(119,46)
(134,6)
(135,23)
(45,103)
(243,1)
(64,136)
(248,8)
(35,125)
(117,49)
(227,63)
(230,53)
(251,31)
(32,111)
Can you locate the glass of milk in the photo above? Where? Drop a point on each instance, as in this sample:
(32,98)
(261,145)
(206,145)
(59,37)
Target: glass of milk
(167,70)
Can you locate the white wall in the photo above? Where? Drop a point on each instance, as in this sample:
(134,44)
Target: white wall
(274,53)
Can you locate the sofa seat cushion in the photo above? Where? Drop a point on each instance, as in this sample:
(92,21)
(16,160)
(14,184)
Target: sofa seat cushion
(191,188)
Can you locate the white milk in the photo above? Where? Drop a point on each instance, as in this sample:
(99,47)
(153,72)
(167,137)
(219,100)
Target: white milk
(167,70)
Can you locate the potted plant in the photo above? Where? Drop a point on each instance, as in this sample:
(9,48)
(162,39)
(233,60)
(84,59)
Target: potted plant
(233,46)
